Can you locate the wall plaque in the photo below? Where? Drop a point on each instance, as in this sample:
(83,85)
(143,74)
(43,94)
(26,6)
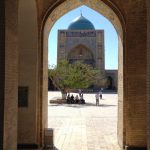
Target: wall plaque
(22,96)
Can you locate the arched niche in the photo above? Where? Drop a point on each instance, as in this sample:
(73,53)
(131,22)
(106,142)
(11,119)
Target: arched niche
(110,82)
(81,53)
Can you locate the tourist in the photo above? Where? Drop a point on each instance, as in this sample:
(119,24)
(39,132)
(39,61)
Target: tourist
(77,99)
(72,99)
(68,98)
(100,93)
(82,101)
(80,92)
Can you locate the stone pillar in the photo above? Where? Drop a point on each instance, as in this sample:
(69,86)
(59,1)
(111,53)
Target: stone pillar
(11,75)
(28,74)
(44,98)
(148,72)
(135,76)
(2,69)
(120,95)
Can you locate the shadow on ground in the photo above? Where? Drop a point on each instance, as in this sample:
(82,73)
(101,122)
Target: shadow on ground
(82,105)
(54,148)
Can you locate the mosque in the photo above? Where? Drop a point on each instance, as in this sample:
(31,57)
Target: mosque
(82,42)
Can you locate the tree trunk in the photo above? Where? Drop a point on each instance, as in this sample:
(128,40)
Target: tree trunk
(64,94)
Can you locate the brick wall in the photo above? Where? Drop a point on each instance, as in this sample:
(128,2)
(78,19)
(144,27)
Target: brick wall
(120,126)
(2,69)
(148,70)
(11,75)
(135,74)
(28,71)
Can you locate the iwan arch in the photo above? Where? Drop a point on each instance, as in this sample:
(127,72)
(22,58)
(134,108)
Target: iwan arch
(23,57)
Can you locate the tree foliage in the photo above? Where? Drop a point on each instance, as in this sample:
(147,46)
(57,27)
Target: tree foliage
(67,76)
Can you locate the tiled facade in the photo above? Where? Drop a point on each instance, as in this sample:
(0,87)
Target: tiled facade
(90,40)
(90,43)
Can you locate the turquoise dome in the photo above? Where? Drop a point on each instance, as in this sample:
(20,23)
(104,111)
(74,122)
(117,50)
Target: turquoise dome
(81,23)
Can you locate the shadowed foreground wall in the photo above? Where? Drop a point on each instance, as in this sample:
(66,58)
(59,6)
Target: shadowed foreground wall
(2,68)
(148,71)
(135,62)
(11,75)
(28,71)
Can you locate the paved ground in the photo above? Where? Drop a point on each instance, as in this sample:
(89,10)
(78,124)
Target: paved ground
(84,127)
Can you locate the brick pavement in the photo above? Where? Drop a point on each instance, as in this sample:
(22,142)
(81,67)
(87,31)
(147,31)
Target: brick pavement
(84,127)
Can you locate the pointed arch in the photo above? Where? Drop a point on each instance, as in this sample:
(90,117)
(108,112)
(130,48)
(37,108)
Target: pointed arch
(81,52)
(113,14)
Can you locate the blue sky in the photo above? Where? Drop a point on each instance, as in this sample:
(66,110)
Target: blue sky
(99,22)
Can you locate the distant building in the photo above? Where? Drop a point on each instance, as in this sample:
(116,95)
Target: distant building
(81,42)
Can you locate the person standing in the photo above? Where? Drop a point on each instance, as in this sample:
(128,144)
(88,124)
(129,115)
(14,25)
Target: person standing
(80,92)
(82,101)
(72,99)
(97,99)
(68,98)
(77,99)
(100,93)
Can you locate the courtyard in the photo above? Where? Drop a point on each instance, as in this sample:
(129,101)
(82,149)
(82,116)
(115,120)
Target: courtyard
(86,126)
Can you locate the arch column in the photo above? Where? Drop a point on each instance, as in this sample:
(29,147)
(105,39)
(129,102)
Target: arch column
(135,71)
(2,68)
(148,73)
(28,79)
(11,75)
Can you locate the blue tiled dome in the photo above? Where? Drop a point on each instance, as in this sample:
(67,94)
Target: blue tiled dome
(81,23)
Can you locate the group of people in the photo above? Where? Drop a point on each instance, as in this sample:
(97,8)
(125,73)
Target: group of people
(78,99)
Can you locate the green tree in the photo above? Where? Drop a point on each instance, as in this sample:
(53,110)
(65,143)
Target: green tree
(67,76)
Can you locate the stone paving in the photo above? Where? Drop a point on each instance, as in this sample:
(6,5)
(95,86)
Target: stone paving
(84,127)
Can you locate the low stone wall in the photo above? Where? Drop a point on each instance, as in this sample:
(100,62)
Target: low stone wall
(57,100)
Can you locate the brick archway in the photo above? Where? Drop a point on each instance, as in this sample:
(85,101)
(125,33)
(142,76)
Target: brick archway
(134,43)
(58,10)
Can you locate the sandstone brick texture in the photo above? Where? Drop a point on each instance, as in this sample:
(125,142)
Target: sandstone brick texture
(11,75)
(120,125)
(28,71)
(135,74)
(148,71)
(2,68)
